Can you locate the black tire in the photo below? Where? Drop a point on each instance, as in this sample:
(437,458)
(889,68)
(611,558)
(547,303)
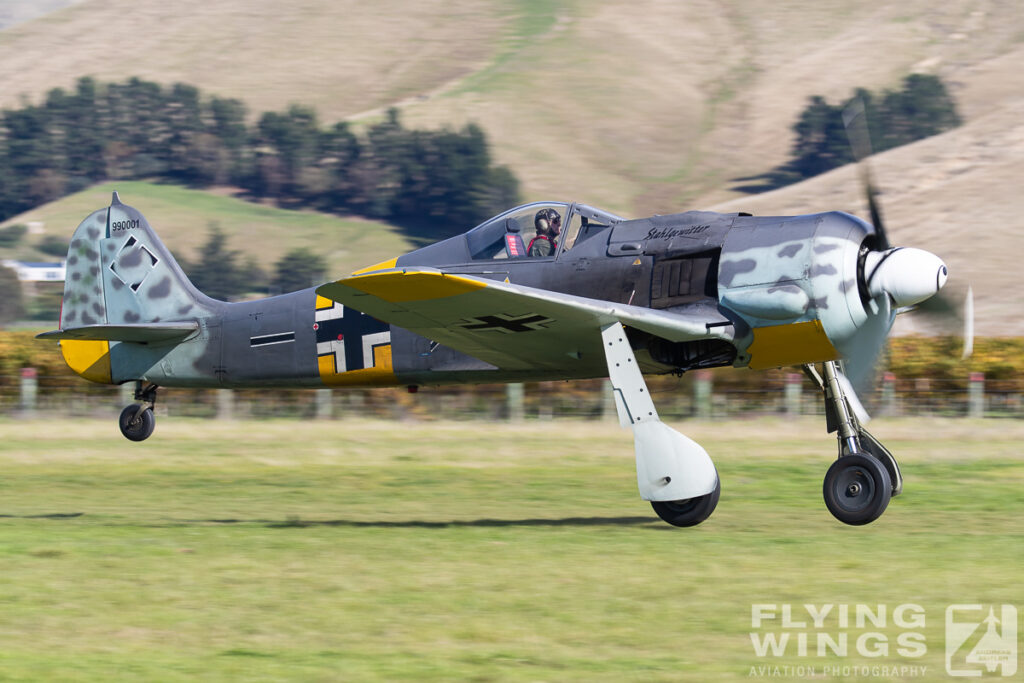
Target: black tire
(136,424)
(689,512)
(857,489)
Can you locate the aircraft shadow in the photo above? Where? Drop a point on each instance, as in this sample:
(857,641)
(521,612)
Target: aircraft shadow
(455,523)
(297,523)
(54,515)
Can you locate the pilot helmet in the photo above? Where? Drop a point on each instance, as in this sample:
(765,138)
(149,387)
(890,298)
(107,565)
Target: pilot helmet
(547,221)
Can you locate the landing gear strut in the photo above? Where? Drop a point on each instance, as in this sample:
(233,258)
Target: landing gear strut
(137,420)
(860,483)
(673,472)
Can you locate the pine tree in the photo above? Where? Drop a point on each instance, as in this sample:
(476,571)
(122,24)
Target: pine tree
(298,269)
(216,272)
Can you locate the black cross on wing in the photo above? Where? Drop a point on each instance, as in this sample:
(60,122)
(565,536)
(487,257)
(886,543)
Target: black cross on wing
(506,323)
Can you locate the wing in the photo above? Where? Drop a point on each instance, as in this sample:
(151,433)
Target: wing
(511,326)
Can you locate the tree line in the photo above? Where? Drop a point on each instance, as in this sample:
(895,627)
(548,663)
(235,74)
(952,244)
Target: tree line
(920,108)
(437,182)
(218,271)
(226,274)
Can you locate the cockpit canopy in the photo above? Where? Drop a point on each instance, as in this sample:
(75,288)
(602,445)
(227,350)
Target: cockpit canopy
(509,235)
(518,232)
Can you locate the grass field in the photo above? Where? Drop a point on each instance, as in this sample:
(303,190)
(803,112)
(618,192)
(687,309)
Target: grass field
(369,550)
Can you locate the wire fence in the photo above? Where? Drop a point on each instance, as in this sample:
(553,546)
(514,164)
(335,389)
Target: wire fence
(694,395)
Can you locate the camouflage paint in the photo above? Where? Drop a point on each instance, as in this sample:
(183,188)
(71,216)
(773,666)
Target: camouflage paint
(793,282)
(781,290)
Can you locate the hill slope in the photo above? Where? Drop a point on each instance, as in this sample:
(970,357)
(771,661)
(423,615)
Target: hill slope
(642,106)
(638,105)
(339,56)
(17,11)
(182,218)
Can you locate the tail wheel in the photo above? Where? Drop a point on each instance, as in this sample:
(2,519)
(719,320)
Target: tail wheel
(857,489)
(689,512)
(136,422)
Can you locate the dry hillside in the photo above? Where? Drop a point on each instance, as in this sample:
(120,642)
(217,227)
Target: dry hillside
(642,106)
(17,11)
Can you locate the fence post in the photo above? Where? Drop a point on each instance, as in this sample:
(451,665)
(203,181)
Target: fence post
(356,405)
(323,404)
(514,399)
(794,390)
(923,386)
(225,404)
(976,395)
(126,394)
(29,385)
(702,393)
(608,409)
(545,409)
(888,394)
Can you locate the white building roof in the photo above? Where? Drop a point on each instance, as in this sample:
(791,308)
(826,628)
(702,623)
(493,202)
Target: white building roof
(37,272)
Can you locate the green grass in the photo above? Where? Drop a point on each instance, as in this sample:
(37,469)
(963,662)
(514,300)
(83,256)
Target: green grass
(182,218)
(367,550)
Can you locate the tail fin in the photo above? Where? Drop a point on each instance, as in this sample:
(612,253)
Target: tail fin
(119,272)
(122,285)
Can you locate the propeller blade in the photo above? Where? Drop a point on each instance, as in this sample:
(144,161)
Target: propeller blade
(951,313)
(941,310)
(968,324)
(861,364)
(851,397)
(855,121)
(856,124)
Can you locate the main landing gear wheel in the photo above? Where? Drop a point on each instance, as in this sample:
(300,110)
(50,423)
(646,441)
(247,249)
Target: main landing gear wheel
(857,489)
(689,512)
(136,422)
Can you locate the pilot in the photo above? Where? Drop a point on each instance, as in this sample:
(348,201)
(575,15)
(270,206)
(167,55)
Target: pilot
(549,225)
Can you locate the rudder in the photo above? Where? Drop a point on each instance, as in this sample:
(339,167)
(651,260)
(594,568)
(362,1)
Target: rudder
(119,272)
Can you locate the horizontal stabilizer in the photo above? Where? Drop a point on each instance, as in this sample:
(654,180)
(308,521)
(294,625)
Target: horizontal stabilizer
(143,332)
